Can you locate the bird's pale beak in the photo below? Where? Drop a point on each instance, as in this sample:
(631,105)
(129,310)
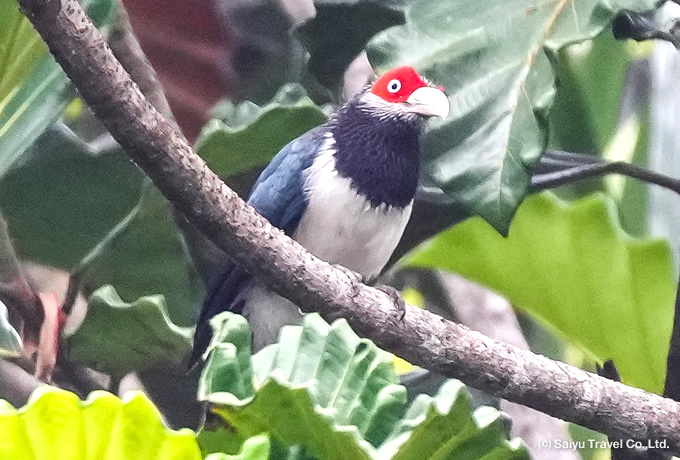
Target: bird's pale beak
(429,102)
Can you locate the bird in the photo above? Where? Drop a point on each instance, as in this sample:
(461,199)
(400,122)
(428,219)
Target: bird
(343,190)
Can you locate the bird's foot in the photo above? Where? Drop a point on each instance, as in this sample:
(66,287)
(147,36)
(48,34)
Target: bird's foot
(355,278)
(396,297)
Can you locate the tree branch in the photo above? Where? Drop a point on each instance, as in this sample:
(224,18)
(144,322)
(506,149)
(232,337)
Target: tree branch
(16,385)
(485,311)
(421,337)
(560,168)
(126,48)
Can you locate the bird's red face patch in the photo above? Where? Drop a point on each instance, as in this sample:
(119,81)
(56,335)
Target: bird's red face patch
(397,84)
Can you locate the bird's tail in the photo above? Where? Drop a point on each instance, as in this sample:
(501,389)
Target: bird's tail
(223,295)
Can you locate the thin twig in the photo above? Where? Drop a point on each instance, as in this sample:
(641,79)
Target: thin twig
(563,168)
(128,51)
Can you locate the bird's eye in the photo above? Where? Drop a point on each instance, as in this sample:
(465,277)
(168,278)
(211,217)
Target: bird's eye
(394,86)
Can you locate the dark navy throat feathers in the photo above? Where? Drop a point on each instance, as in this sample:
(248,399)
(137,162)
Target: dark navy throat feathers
(378,152)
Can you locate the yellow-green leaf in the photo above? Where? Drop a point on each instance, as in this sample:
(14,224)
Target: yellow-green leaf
(575,269)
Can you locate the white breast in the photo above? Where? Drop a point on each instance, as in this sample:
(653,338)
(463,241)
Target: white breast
(340,226)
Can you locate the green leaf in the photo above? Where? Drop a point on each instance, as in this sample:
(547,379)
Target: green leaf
(493,58)
(20,49)
(10,342)
(340,31)
(576,270)
(33,88)
(343,395)
(249,136)
(34,106)
(54,223)
(117,337)
(148,258)
(51,219)
(592,74)
(593,114)
(55,422)
(444,427)
(255,448)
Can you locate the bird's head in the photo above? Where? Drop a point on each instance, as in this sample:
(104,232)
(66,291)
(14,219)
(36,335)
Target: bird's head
(403,93)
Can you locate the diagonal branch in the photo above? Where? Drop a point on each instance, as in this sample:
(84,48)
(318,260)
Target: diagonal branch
(421,337)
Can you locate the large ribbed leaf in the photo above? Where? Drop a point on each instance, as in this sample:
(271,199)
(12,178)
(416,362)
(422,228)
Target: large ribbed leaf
(56,218)
(575,269)
(117,337)
(56,424)
(245,135)
(492,57)
(445,427)
(321,392)
(37,103)
(128,241)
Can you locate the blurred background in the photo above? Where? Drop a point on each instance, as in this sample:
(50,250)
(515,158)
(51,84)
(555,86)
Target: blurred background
(588,272)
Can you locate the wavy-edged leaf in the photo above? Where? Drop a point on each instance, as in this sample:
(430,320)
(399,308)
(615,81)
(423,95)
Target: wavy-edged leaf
(118,337)
(342,394)
(445,427)
(103,427)
(255,448)
(10,342)
(247,136)
(149,258)
(575,269)
(493,58)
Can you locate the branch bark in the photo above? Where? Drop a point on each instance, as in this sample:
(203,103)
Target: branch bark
(421,337)
(16,385)
(485,311)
